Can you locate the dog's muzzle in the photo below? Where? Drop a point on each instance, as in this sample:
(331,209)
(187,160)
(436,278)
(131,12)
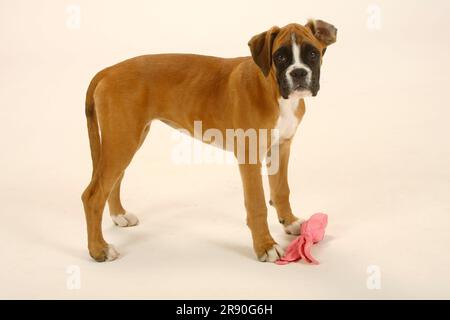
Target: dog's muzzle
(302,81)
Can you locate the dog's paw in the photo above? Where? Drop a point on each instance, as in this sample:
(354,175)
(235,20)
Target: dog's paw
(294,227)
(108,253)
(125,220)
(272,254)
(111,253)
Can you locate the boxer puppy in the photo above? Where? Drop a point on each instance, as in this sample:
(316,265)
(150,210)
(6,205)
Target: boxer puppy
(264,91)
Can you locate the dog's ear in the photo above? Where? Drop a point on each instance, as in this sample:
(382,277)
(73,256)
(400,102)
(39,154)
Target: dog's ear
(323,31)
(261,49)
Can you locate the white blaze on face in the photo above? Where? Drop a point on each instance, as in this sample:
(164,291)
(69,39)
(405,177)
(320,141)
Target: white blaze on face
(297,63)
(287,122)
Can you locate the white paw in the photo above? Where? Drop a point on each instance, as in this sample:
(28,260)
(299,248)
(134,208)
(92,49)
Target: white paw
(272,255)
(111,253)
(294,227)
(125,220)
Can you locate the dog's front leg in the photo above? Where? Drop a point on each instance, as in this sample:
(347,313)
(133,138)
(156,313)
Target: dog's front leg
(265,247)
(279,192)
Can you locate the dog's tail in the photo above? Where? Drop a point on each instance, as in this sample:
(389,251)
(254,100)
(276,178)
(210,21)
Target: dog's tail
(92,123)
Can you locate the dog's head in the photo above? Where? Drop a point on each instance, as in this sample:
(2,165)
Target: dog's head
(294,55)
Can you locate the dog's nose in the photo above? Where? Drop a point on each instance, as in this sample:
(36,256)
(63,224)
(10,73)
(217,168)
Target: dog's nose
(299,73)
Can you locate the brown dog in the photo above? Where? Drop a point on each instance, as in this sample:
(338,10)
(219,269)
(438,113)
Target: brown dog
(264,91)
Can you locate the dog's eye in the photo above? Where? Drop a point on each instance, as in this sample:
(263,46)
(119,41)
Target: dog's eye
(313,55)
(281,58)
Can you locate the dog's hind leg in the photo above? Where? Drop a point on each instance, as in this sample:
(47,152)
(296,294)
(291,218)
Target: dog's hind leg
(119,215)
(111,166)
(121,136)
(113,162)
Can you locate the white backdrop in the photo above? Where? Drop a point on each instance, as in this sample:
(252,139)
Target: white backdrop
(372,152)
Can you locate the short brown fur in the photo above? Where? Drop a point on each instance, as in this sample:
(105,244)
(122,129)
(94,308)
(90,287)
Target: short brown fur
(179,89)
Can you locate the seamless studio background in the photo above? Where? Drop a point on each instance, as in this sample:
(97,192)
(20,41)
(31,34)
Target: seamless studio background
(372,152)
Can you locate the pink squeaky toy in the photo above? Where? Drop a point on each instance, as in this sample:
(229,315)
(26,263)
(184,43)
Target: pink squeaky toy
(311,231)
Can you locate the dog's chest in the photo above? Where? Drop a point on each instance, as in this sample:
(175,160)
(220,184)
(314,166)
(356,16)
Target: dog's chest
(288,120)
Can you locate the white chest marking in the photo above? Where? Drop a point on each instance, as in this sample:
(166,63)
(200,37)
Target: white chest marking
(287,121)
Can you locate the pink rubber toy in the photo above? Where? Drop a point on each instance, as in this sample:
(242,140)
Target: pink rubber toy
(311,231)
